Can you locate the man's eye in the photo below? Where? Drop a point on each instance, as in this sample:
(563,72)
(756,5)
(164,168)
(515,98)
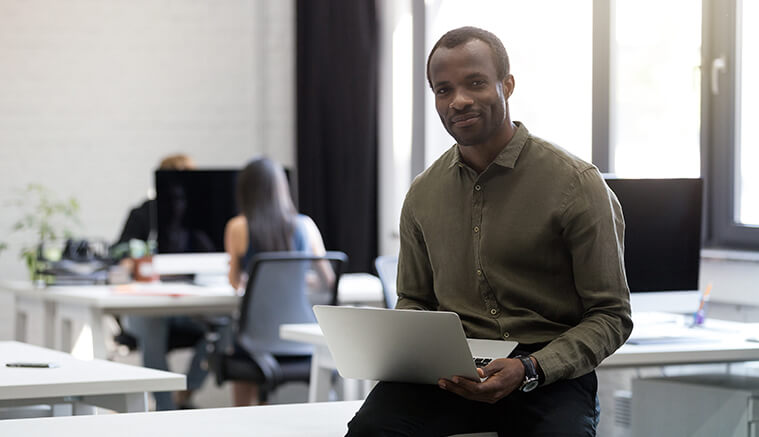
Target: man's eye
(478,82)
(441,91)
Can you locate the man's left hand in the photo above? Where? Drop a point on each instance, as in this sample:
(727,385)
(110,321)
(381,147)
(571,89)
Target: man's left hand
(504,375)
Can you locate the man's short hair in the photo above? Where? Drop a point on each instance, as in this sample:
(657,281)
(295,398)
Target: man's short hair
(456,37)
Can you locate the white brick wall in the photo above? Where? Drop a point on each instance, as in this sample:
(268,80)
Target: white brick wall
(93,93)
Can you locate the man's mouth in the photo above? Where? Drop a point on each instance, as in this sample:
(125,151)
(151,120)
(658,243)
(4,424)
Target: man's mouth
(465,120)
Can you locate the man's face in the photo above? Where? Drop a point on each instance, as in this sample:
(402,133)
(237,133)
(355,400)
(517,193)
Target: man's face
(469,98)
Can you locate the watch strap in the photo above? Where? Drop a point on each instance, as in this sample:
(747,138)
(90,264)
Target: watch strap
(530,372)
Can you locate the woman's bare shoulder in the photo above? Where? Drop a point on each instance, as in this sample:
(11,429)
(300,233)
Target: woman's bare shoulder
(236,234)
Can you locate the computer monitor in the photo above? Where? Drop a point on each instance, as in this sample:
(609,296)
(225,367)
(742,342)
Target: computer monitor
(192,208)
(662,241)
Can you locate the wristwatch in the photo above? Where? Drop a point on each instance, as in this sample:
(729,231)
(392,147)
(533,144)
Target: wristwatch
(531,380)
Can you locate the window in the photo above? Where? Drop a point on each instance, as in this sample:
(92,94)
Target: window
(747,156)
(656,88)
(733,140)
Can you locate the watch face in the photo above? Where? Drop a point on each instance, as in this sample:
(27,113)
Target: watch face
(529,385)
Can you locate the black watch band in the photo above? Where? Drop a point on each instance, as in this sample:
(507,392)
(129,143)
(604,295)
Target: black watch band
(531,379)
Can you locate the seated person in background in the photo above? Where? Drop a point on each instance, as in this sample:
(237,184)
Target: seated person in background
(268,222)
(154,333)
(140,224)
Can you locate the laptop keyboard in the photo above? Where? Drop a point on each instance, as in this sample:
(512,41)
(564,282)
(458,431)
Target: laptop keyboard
(482,362)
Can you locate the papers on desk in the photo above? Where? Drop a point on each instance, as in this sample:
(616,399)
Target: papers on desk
(669,340)
(651,328)
(169,289)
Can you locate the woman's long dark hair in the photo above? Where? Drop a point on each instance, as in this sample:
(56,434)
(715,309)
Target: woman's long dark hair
(263,196)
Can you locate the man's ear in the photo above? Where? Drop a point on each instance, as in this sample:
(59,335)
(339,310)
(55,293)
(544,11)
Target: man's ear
(508,85)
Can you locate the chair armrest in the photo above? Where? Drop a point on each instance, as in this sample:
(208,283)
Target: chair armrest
(270,368)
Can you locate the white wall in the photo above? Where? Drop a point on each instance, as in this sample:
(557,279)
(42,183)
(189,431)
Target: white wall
(93,93)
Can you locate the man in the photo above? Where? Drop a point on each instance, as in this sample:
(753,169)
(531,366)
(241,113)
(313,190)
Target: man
(525,242)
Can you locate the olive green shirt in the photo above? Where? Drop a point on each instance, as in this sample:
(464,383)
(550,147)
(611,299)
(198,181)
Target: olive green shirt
(530,250)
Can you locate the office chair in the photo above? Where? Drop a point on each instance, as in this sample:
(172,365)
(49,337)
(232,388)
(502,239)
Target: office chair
(178,338)
(281,288)
(387,270)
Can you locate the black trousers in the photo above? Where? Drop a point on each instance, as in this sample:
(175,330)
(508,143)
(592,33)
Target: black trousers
(564,408)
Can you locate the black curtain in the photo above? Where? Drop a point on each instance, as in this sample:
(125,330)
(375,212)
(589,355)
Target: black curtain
(337,124)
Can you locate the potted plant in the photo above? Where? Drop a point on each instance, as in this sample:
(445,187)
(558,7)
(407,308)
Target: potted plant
(47,222)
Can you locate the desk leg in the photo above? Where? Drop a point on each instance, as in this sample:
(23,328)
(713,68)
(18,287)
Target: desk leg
(65,409)
(357,389)
(33,322)
(79,331)
(351,389)
(82,409)
(321,374)
(136,402)
(120,403)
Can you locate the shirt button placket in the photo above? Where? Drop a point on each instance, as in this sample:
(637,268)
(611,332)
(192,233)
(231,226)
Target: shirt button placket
(477,205)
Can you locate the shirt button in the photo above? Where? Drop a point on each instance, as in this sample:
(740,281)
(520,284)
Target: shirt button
(477,188)
(505,335)
(479,272)
(493,311)
(476,229)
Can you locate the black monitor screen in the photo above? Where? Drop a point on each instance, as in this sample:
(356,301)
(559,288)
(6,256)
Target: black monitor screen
(192,208)
(662,232)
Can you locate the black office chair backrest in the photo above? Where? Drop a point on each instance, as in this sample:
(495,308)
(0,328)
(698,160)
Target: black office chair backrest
(387,270)
(282,287)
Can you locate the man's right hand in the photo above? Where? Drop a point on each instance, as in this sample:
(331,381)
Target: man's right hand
(504,375)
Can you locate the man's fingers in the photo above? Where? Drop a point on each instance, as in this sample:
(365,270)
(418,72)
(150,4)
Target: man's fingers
(492,367)
(477,391)
(458,388)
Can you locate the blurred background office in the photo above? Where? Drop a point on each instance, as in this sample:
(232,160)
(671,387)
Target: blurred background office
(93,94)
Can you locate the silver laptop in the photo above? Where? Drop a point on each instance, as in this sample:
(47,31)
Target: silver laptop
(403,345)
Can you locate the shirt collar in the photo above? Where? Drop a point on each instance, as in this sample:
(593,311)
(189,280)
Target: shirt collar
(508,156)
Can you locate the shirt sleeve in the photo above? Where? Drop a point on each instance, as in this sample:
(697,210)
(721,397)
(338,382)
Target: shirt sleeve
(415,279)
(593,231)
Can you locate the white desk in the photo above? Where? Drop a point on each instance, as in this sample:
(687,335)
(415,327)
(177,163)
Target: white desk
(325,419)
(717,341)
(724,342)
(70,318)
(106,384)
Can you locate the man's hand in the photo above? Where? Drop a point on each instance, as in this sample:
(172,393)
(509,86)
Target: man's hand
(504,375)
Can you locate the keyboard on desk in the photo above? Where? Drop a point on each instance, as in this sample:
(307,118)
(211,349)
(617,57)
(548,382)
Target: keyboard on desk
(482,362)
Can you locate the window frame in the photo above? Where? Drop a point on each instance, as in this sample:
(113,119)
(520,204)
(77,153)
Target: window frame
(721,121)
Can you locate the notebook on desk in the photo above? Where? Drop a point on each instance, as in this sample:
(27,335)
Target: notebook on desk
(403,345)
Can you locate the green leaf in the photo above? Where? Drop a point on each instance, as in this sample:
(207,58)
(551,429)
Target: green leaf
(43,218)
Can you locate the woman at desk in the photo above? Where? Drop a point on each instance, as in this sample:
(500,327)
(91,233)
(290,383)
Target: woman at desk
(268,222)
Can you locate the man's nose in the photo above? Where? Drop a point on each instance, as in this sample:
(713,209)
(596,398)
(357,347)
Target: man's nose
(460,101)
